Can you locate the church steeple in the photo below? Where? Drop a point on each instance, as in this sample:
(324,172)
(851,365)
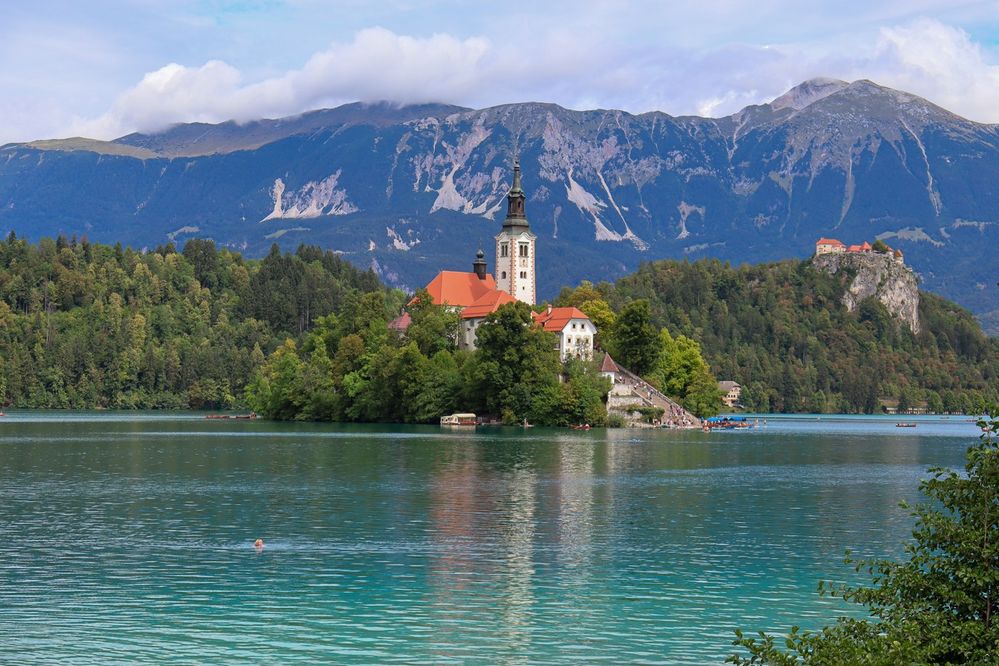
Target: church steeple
(515,215)
(515,246)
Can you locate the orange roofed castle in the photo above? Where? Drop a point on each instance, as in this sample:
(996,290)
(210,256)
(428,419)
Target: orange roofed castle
(477,294)
(833,246)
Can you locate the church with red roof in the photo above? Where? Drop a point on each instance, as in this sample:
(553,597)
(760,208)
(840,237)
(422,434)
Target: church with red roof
(478,293)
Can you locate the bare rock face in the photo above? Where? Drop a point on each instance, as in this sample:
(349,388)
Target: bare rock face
(880,276)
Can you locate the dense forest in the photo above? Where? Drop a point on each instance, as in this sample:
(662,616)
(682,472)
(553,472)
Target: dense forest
(304,335)
(85,325)
(780,330)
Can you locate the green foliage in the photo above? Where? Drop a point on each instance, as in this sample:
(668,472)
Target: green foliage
(634,340)
(939,605)
(880,246)
(85,325)
(781,331)
(682,372)
(516,365)
(433,329)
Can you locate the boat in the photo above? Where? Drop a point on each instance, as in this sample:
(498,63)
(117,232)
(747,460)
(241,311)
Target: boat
(238,417)
(460,419)
(585,426)
(905,425)
(727,423)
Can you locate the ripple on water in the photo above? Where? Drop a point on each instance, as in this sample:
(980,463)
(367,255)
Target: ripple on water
(131,540)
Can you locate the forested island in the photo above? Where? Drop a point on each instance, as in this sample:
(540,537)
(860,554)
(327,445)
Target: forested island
(304,335)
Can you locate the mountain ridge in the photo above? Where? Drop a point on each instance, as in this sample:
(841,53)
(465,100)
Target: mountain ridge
(410,190)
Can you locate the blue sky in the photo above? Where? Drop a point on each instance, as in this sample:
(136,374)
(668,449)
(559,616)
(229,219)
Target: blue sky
(103,68)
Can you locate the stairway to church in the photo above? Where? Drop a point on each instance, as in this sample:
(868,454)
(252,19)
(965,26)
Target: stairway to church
(650,396)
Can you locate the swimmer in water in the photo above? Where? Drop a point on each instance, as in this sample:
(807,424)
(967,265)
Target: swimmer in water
(259,544)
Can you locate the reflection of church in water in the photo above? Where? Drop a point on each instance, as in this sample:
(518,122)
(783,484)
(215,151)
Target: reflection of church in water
(477,294)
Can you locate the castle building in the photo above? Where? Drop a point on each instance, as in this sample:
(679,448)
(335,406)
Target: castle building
(829,246)
(478,294)
(833,246)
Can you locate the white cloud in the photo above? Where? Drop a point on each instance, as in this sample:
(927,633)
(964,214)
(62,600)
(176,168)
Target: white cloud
(572,63)
(376,65)
(941,63)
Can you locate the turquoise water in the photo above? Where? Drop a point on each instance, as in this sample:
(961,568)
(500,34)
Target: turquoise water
(127,538)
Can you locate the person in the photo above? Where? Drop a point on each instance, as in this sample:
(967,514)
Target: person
(258,544)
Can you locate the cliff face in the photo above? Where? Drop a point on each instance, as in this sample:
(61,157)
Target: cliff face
(877,275)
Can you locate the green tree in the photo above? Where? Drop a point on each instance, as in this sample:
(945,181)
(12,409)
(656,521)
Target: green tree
(635,341)
(276,391)
(514,361)
(433,328)
(939,605)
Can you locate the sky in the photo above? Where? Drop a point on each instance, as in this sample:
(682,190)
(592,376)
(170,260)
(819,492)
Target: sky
(104,68)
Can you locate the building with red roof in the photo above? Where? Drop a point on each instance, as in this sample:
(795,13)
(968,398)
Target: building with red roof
(574,329)
(829,246)
(478,294)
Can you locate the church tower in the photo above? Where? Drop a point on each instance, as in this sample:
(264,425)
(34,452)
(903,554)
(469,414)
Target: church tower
(515,244)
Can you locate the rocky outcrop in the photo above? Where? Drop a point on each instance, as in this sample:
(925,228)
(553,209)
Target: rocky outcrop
(880,276)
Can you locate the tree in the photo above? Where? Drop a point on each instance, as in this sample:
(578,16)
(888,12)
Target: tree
(940,605)
(880,247)
(433,328)
(514,360)
(635,341)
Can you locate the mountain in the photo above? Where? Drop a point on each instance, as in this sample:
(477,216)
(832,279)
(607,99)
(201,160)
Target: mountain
(411,190)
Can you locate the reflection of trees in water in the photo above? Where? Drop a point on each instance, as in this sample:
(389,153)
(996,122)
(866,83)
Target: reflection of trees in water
(516,513)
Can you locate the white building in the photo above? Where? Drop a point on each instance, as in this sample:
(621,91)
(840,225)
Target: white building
(733,393)
(574,329)
(515,246)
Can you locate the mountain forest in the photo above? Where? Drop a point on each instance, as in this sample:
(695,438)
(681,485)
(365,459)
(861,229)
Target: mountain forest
(304,335)
(780,330)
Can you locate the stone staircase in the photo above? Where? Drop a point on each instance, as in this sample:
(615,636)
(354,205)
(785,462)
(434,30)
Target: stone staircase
(630,389)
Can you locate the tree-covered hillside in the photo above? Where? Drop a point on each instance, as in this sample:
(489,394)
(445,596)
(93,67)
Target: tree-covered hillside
(780,330)
(86,325)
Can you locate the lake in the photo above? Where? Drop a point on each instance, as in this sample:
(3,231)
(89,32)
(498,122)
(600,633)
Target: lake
(128,537)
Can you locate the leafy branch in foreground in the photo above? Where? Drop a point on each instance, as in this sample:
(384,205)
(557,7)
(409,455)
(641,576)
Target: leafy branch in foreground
(939,606)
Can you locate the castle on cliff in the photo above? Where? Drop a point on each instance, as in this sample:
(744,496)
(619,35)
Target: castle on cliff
(833,246)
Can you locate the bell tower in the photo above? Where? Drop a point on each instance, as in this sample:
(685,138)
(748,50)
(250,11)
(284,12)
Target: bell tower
(515,245)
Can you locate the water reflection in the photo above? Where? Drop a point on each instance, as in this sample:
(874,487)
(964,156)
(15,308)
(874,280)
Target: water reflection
(413,545)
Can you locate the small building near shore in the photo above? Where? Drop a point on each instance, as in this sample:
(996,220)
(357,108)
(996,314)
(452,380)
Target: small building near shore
(732,391)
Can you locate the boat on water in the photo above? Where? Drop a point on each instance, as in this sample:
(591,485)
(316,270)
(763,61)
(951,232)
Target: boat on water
(460,419)
(727,423)
(584,426)
(905,425)
(237,417)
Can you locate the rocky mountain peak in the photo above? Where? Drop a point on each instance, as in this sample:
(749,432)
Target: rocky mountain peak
(808,92)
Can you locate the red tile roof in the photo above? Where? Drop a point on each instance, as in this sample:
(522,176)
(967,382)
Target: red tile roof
(458,288)
(401,323)
(608,364)
(488,303)
(829,241)
(556,319)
